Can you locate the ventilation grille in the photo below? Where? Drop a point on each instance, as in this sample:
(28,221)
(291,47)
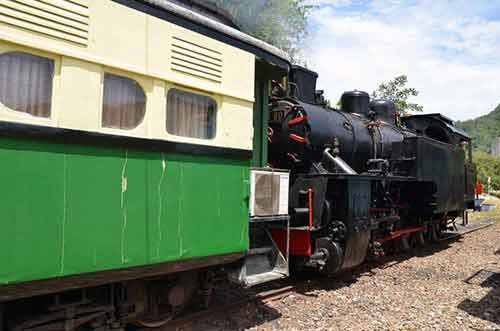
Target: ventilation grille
(63,19)
(196,60)
(268,193)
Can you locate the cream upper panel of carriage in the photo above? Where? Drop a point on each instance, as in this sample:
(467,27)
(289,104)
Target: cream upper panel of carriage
(95,47)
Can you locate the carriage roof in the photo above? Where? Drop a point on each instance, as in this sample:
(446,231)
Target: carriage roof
(213,18)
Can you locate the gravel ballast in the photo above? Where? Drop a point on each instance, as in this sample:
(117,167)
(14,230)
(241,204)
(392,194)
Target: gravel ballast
(454,285)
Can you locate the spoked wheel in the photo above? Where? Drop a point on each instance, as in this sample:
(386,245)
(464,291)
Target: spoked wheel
(419,239)
(432,232)
(167,302)
(156,322)
(403,243)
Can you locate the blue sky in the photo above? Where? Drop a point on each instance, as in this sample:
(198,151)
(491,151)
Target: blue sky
(450,50)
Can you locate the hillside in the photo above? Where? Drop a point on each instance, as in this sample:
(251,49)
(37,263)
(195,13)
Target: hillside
(483,129)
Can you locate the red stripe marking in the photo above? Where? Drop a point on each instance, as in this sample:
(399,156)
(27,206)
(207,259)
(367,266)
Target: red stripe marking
(398,234)
(297,120)
(297,138)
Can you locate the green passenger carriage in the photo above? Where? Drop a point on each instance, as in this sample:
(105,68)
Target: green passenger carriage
(128,130)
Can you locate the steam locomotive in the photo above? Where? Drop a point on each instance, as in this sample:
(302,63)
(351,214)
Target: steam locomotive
(364,181)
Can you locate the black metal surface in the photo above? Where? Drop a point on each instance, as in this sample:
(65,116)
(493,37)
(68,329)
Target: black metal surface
(385,110)
(355,102)
(305,83)
(351,197)
(441,164)
(356,143)
(299,199)
(436,126)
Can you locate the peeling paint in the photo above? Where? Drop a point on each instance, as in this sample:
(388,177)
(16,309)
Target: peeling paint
(124,178)
(124,227)
(160,203)
(123,208)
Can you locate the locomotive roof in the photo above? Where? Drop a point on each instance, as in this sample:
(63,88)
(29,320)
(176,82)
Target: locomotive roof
(213,18)
(448,122)
(436,116)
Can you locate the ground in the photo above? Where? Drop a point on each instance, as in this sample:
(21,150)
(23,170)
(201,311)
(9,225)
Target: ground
(451,286)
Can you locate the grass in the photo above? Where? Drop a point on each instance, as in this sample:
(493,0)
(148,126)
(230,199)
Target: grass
(495,213)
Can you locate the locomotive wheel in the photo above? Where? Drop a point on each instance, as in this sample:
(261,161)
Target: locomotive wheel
(419,239)
(435,230)
(404,243)
(155,323)
(167,302)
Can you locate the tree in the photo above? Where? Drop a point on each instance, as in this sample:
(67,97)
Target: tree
(488,166)
(396,91)
(282,23)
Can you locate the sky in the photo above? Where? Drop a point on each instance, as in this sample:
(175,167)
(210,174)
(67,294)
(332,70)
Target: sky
(449,49)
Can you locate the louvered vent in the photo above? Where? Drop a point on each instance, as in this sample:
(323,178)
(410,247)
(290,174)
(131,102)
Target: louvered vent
(196,60)
(268,193)
(63,19)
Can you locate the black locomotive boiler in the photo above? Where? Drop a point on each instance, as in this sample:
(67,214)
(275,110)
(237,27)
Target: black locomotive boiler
(363,179)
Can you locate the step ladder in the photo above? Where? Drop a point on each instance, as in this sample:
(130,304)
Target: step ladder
(264,262)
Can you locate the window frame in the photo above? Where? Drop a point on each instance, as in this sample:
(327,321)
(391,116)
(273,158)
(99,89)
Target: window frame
(214,97)
(145,84)
(143,119)
(10,114)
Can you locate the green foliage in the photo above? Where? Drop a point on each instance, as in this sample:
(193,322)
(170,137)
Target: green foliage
(282,23)
(483,129)
(488,166)
(397,91)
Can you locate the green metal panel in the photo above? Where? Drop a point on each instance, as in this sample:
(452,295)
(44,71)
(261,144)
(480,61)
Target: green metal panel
(69,209)
(260,117)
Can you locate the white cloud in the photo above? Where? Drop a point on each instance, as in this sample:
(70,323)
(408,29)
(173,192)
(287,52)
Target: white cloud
(450,56)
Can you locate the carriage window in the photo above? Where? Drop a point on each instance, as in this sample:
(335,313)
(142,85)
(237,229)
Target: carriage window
(191,115)
(124,103)
(26,83)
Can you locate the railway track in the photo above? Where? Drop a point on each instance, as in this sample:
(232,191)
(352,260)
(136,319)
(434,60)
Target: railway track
(282,290)
(184,323)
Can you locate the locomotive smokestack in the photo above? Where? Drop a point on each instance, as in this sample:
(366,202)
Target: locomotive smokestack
(305,83)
